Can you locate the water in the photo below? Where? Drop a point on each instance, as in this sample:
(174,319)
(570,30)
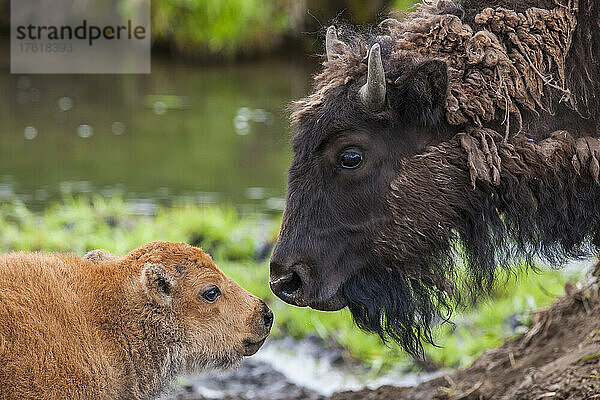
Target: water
(202,133)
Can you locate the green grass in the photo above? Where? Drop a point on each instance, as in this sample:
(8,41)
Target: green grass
(232,27)
(223,27)
(79,224)
(403,4)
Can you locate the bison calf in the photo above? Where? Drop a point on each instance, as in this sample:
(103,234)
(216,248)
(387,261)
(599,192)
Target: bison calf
(108,327)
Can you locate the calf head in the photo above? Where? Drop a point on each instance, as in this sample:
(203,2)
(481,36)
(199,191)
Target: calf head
(214,321)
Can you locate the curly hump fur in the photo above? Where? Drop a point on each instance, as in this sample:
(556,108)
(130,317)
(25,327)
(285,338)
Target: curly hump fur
(501,63)
(470,157)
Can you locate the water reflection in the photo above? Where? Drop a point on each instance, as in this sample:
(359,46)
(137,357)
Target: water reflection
(118,128)
(188,128)
(65,103)
(85,131)
(30,133)
(245,117)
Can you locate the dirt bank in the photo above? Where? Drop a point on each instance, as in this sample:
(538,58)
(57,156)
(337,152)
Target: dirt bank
(558,358)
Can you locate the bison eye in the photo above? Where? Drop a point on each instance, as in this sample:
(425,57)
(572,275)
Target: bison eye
(350,159)
(211,294)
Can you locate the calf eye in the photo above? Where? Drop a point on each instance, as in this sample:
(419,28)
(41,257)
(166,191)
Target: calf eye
(350,159)
(211,294)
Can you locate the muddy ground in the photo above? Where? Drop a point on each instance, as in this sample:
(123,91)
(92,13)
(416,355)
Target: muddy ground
(558,358)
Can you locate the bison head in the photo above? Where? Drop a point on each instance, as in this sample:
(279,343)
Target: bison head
(402,193)
(344,217)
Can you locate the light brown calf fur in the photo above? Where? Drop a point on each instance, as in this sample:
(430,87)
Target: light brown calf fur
(108,327)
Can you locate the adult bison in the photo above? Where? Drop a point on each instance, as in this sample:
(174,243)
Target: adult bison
(433,152)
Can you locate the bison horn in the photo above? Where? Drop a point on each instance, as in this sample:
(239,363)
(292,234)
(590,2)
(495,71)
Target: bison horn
(332,44)
(372,94)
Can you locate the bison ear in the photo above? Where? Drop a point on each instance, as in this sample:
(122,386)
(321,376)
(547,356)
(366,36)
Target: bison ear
(422,95)
(157,284)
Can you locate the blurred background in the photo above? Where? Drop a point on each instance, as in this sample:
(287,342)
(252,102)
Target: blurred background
(197,151)
(208,124)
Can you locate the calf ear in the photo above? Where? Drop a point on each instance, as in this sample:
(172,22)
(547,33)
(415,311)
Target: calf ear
(97,256)
(158,284)
(421,97)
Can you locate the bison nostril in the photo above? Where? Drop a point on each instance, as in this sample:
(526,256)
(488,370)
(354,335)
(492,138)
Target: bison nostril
(291,285)
(286,284)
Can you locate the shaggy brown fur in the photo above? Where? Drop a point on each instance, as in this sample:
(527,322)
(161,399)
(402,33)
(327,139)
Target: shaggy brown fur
(109,327)
(497,204)
(467,168)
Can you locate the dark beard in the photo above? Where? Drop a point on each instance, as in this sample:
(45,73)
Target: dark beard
(398,308)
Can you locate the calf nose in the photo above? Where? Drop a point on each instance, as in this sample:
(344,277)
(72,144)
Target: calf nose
(267,317)
(285,283)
